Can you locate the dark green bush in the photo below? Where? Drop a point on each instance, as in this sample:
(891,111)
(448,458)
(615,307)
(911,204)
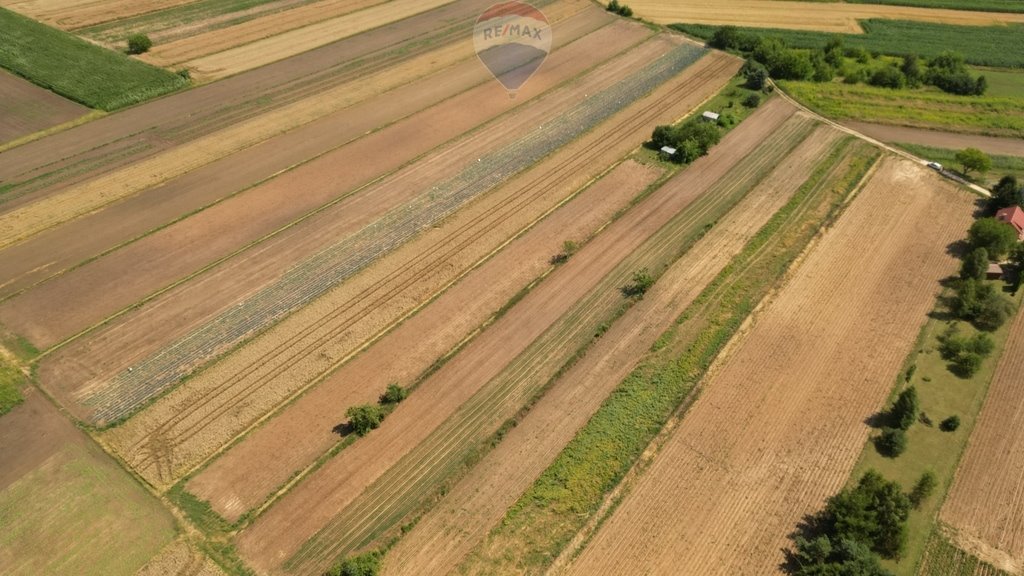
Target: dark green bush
(641,282)
(892,442)
(364,418)
(904,410)
(139,44)
(950,424)
(923,489)
(393,395)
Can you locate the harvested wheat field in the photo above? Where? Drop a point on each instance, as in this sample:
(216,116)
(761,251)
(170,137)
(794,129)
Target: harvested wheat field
(442,538)
(984,505)
(28,108)
(821,16)
(780,421)
(68,15)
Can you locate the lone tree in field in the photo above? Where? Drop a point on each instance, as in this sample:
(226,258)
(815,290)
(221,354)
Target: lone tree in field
(904,410)
(973,160)
(642,281)
(139,44)
(892,442)
(364,418)
(950,424)
(923,488)
(393,395)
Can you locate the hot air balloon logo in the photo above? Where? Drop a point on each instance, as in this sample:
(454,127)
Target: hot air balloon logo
(512,40)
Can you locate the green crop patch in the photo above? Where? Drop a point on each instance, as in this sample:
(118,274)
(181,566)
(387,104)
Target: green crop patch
(998,46)
(975,5)
(76,69)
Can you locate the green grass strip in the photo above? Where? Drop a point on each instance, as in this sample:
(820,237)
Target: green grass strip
(11,380)
(571,490)
(998,46)
(973,5)
(76,69)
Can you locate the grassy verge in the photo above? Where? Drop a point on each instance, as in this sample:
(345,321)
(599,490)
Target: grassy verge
(925,108)
(11,381)
(1001,165)
(942,558)
(941,394)
(1004,83)
(571,490)
(76,69)
(997,46)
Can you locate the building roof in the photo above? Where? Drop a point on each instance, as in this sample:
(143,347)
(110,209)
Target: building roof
(668,150)
(1013,216)
(994,268)
(710,115)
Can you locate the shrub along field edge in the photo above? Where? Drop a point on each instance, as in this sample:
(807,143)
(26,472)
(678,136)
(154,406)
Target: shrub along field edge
(80,71)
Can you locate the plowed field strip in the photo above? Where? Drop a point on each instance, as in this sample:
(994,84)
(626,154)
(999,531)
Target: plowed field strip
(488,354)
(322,328)
(986,500)
(80,299)
(68,158)
(440,540)
(281,46)
(214,41)
(241,479)
(755,454)
(421,471)
(821,16)
(29,108)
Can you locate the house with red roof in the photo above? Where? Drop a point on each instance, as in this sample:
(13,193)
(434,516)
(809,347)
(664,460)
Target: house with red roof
(1013,216)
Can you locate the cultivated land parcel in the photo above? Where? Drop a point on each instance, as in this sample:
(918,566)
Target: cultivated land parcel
(195,289)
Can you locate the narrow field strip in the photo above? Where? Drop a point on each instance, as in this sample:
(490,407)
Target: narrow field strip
(420,472)
(943,558)
(487,356)
(187,247)
(771,448)
(986,509)
(440,540)
(241,479)
(312,343)
(69,15)
(818,16)
(280,46)
(214,41)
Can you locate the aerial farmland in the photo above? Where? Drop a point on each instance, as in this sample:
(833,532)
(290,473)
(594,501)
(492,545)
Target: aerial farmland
(680,287)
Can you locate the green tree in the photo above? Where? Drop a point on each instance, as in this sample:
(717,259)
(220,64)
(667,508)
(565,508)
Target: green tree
(973,160)
(950,424)
(752,101)
(756,75)
(995,236)
(892,442)
(904,411)
(726,38)
(966,364)
(872,513)
(924,488)
(641,282)
(362,565)
(394,394)
(364,418)
(139,44)
(975,264)
(1006,193)
(911,69)
(888,77)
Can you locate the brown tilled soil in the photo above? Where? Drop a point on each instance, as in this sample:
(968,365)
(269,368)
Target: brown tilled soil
(28,108)
(30,434)
(185,427)
(296,517)
(241,479)
(91,360)
(936,139)
(780,422)
(80,298)
(985,504)
(214,41)
(97,147)
(442,538)
(254,54)
(821,16)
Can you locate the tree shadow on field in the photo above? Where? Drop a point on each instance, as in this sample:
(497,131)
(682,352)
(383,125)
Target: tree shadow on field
(878,420)
(809,527)
(958,248)
(343,429)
